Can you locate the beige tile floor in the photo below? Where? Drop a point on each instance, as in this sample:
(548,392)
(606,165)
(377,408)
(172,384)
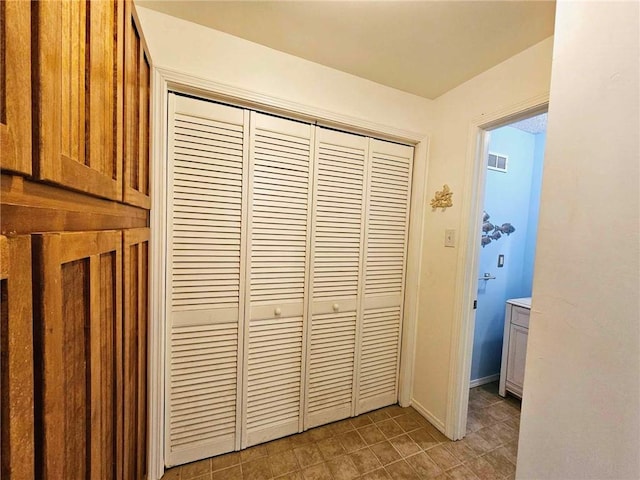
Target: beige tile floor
(390,443)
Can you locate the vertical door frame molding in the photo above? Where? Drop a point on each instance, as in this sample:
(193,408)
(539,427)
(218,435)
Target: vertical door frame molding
(469,256)
(164,80)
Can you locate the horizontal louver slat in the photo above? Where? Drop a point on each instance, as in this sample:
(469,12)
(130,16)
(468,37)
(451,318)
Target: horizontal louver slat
(279,194)
(212,391)
(338,206)
(379,355)
(211,151)
(331,361)
(386,245)
(274,360)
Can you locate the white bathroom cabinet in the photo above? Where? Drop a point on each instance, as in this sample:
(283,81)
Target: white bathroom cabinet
(514,346)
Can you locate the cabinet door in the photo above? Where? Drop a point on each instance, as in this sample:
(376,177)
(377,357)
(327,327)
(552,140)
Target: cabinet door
(279,212)
(387,222)
(15,86)
(79,74)
(135,350)
(336,272)
(79,344)
(136,115)
(205,272)
(517,357)
(16,363)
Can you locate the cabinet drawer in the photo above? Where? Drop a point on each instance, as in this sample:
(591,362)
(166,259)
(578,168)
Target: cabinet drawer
(520,316)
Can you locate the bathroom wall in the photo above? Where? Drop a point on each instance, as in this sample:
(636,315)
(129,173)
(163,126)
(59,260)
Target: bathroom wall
(534,210)
(512,196)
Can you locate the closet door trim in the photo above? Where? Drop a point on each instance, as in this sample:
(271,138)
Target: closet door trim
(165,80)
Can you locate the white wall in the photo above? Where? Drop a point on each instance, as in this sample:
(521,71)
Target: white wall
(581,409)
(517,81)
(192,49)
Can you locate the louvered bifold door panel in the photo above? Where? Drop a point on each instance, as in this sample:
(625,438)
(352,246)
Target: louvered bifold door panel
(206,171)
(279,211)
(336,252)
(388,195)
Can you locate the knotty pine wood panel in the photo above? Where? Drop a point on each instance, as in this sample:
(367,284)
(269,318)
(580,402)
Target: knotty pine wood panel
(136,120)
(29,206)
(16,364)
(79,344)
(15,86)
(79,94)
(135,334)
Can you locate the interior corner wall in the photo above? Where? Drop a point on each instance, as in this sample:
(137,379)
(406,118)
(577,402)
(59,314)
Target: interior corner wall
(515,81)
(202,52)
(582,381)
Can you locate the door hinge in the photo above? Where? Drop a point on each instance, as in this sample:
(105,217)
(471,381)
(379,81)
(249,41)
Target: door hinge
(475,304)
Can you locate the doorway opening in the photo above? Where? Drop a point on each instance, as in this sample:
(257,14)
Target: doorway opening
(511,173)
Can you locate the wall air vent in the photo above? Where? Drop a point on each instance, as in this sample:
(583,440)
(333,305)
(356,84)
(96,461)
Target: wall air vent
(497,162)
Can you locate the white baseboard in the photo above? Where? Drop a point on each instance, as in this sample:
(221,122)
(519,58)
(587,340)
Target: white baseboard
(481,381)
(436,422)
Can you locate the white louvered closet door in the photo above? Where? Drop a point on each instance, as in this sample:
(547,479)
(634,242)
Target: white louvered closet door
(336,268)
(279,212)
(388,199)
(207,159)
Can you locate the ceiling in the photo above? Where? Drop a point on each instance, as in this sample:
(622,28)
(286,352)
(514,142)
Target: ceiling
(534,125)
(421,47)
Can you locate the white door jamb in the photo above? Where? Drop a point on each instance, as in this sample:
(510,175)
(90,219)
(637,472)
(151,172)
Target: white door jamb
(467,277)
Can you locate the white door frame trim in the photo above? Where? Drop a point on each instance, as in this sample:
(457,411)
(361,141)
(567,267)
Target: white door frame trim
(468,257)
(162,81)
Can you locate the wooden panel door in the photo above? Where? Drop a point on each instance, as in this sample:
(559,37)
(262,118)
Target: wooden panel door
(78,341)
(279,220)
(336,272)
(16,363)
(135,350)
(15,86)
(136,115)
(80,84)
(205,274)
(387,225)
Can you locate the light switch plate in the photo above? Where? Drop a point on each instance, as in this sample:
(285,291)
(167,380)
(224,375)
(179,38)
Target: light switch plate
(450,238)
